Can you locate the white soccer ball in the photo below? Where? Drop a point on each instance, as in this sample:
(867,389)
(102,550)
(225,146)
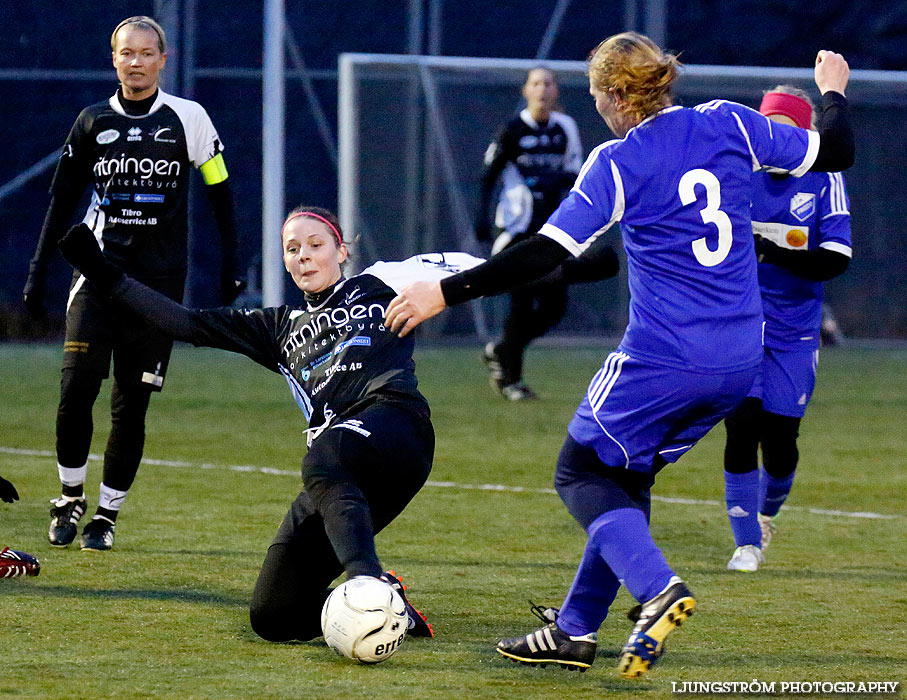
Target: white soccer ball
(364,619)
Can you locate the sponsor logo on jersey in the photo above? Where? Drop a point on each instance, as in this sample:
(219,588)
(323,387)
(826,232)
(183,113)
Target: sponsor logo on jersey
(352,296)
(803,205)
(356,340)
(163,135)
(796,238)
(104,138)
(154,198)
(134,166)
(336,318)
(135,134)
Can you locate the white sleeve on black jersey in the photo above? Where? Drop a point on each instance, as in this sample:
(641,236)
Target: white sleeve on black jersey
(428,267)
(202,140)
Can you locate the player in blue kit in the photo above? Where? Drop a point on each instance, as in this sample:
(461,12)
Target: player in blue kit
(802,229)
(678,182)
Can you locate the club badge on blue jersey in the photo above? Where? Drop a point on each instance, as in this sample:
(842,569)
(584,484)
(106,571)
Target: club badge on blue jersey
(803,205)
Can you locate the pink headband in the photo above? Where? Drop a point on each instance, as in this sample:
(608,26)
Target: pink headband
(790,106)
(314,216)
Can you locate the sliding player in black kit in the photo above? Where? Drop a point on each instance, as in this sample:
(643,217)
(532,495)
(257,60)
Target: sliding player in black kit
(370,439)
(135,150)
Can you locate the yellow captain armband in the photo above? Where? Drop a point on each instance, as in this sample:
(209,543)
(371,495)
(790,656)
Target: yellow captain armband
(214,170)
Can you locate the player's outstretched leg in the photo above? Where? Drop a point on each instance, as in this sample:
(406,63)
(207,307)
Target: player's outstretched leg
(13,564)
(418,623)
(657,618)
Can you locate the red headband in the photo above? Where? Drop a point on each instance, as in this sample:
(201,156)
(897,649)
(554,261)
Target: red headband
(314,216)
(790,106)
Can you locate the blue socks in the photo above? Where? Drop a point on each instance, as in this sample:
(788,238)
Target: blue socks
(773,492)
(620,550)
(590,596)
(741,492)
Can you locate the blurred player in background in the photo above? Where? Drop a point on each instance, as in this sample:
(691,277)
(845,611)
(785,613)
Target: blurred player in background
(678,182)
(535,158)
(802,230)
(135,151)
(370,438)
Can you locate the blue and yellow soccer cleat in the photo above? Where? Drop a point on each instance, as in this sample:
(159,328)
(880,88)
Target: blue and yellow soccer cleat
(657,618)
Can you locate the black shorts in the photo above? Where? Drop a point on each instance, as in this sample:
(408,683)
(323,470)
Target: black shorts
(386,449)
(97,328)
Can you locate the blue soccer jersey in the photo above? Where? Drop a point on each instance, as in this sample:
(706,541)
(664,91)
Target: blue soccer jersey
(799,214)
(679,185)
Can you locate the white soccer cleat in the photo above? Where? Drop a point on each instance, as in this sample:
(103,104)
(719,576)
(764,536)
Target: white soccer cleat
(746,558)
(769,528)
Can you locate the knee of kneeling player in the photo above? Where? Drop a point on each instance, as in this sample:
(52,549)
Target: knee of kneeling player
(275,624)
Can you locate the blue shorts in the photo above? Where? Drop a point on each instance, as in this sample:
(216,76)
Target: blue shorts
(786,381)
(634,410)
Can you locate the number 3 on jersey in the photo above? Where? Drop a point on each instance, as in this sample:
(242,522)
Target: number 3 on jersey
(711,214)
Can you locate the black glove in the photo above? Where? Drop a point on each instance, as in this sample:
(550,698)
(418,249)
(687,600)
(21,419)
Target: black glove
(81,250)
(764,248)
(8,492)
(231,287)
(596,263)
(483,232)
(34,291)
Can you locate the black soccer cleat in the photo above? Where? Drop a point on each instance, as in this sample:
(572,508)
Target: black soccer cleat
(97,536)
(13,564)
(551,645)
(65,515)
(418,623)
(657,618)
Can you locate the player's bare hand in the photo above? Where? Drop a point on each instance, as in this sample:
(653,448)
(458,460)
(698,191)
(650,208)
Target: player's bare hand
(415,303)
(832,72)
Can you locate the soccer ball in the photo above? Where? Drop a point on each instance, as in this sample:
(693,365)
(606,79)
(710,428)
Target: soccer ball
(364,619)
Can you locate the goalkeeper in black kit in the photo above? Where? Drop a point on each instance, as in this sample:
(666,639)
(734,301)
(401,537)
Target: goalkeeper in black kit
(370,439)
(135,151)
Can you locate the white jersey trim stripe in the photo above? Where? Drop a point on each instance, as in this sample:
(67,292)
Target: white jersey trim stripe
(836,247)
(749,145)
(812,150)
(604,377)
(302,399)
(561,237)
(605,388)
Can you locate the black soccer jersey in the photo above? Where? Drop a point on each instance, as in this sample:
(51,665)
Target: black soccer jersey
(536,163)
(337,355)
(139,169)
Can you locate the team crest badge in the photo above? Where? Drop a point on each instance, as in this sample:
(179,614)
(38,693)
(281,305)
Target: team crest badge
(803,205)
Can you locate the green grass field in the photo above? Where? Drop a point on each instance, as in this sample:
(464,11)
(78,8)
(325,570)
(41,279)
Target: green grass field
(164,615)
